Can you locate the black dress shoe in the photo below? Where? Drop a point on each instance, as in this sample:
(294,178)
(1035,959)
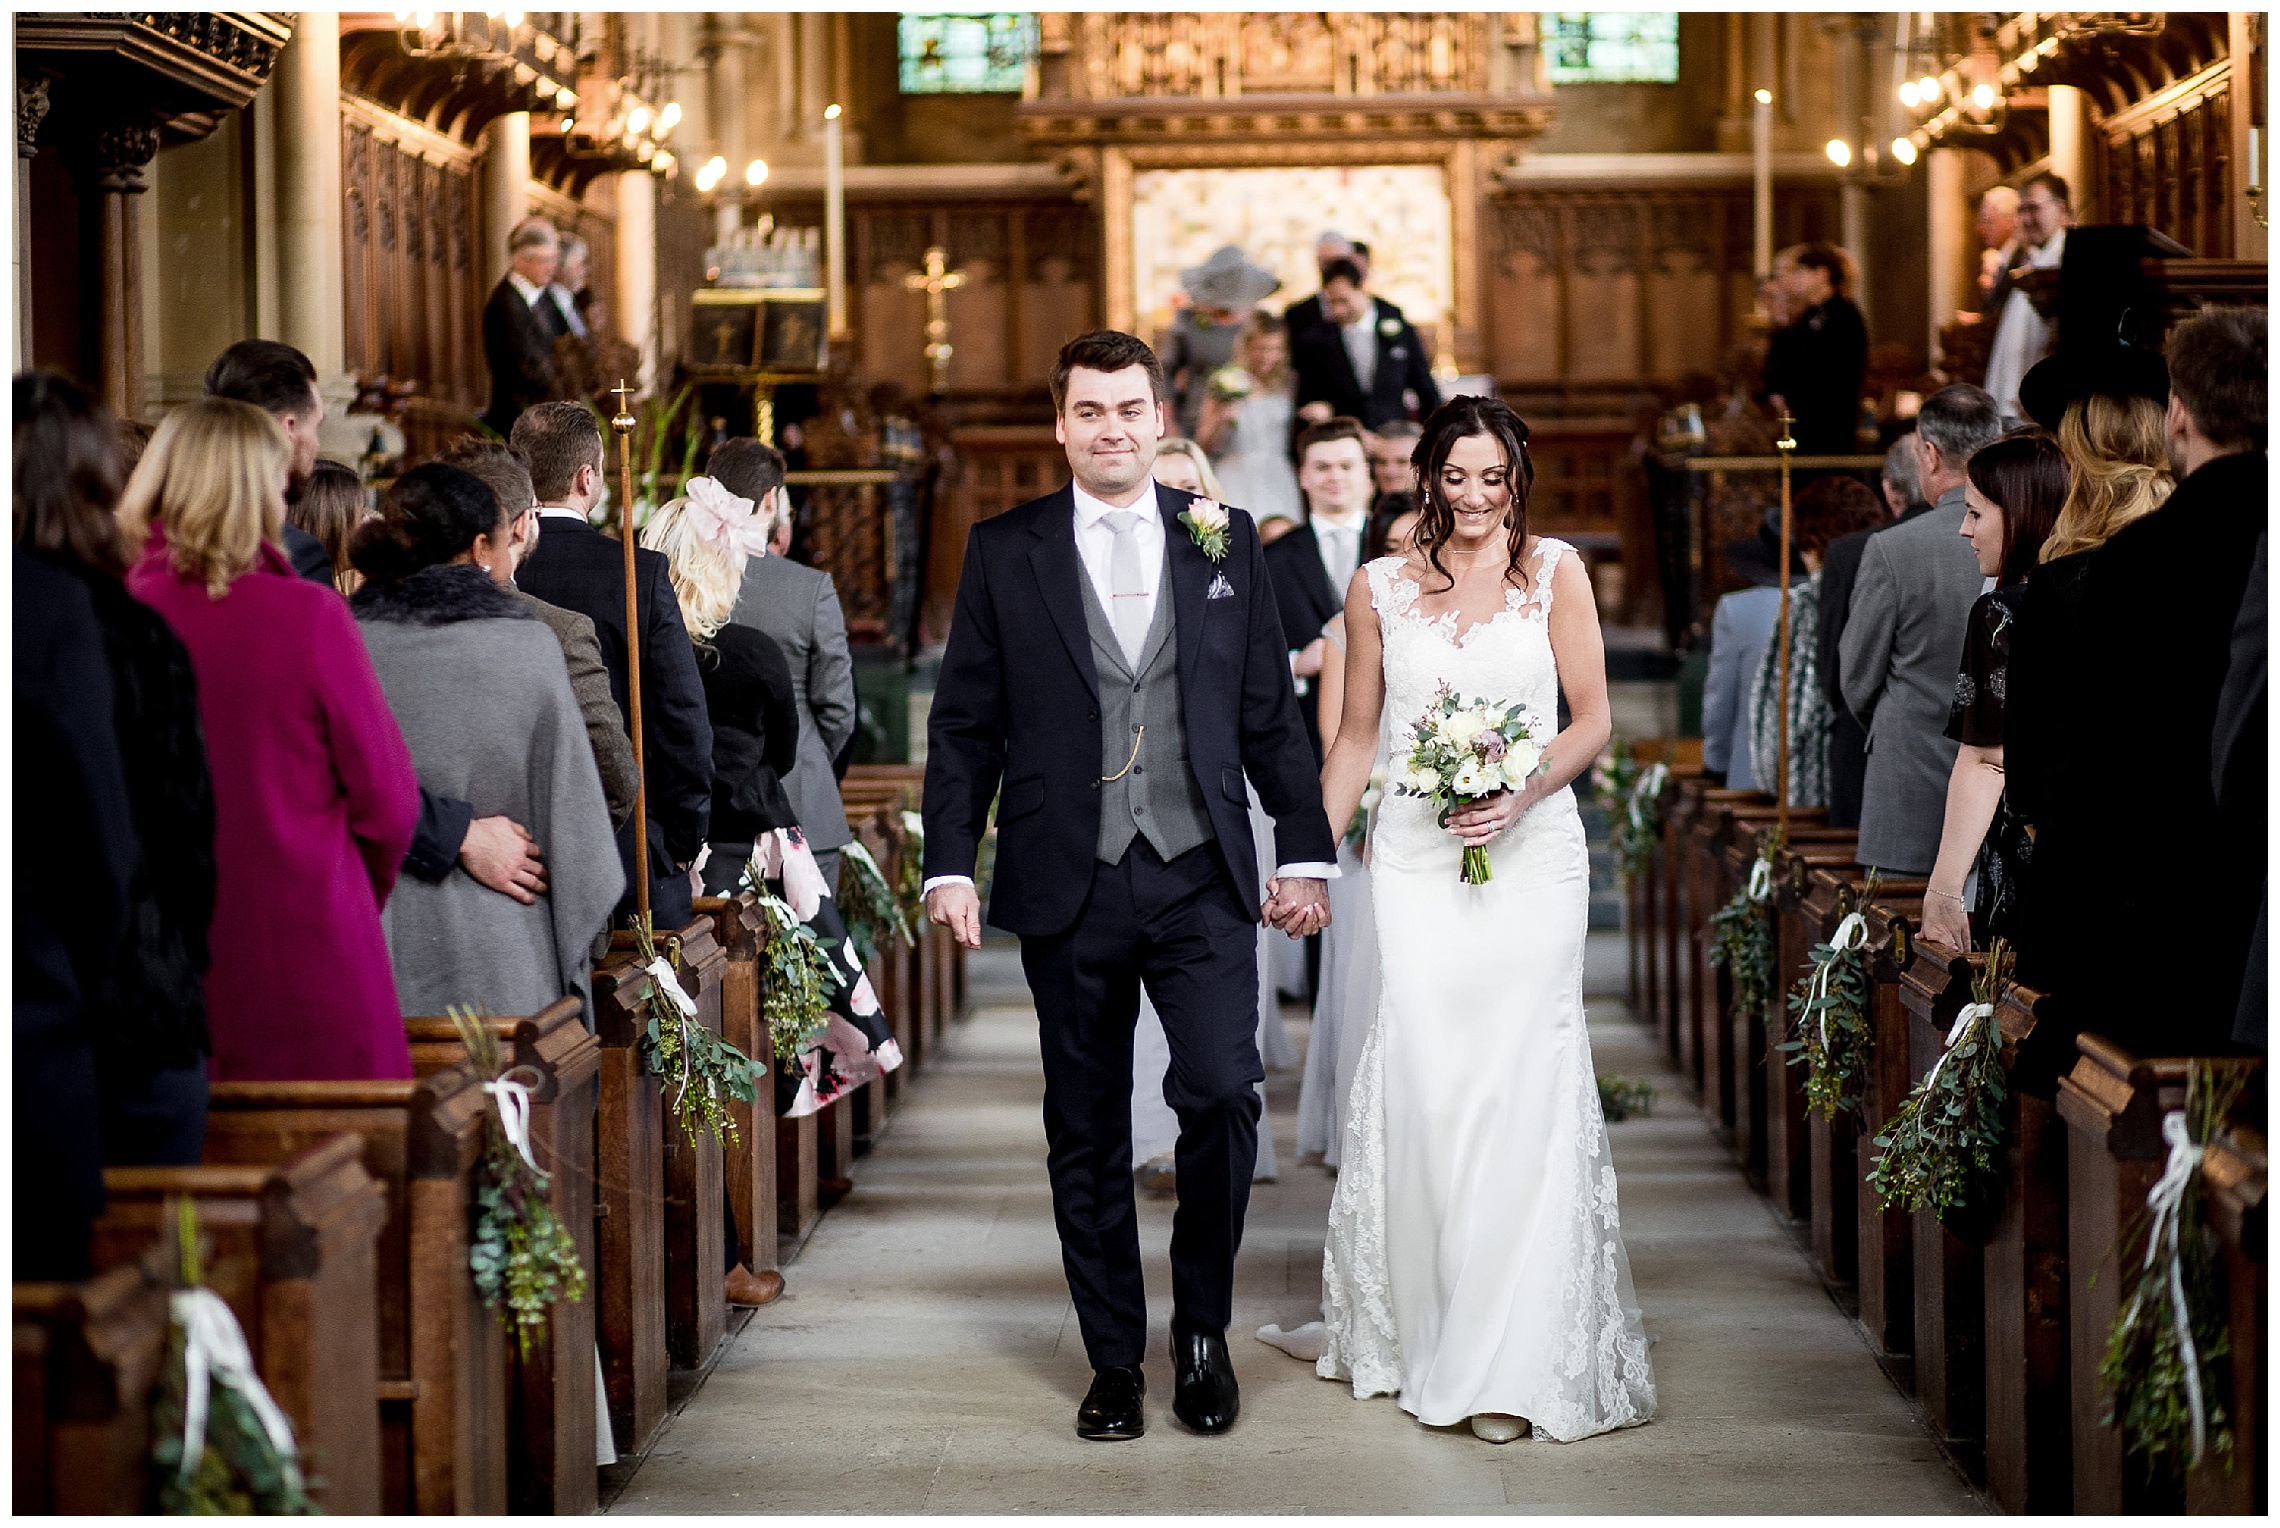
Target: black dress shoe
(1112,1411)
(1204,1394)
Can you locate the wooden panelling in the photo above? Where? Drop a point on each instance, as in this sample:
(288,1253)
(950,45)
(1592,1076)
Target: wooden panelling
(2169,167)
(413,279)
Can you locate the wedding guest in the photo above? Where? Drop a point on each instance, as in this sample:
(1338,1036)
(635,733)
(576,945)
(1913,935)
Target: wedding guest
(1903,639)
(133,436)
(282,383)
(1312,566)
(1741,627)
(1275,526)
(1207,333)
(1840,566)
(567,291)
(1249,437)
(504,474)
(798,608)
(1391,445)
(1184,465)
(330,508)
(1998,228)
(2011,505)
(1364,360)
(1825,510)
(315,797)
(478,685)
(145,1007)
(1815,363)
(706,539)
(2157,607)
(521,324)
(2023,336)
(76,858)
(578,568)
(2241,755)
(1305,313)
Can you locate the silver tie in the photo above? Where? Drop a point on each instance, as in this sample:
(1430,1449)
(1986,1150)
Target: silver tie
(1128,590)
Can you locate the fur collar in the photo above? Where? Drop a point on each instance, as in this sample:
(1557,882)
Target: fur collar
(441,595)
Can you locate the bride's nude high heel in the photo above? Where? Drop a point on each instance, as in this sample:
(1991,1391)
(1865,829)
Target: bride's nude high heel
(1491,1427)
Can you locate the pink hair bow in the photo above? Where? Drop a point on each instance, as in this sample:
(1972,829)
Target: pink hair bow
(724,521)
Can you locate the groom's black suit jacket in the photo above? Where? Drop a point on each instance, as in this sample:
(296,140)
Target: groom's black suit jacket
(1304,595)
(1018,702)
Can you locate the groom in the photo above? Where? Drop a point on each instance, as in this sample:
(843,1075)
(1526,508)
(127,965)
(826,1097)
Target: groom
(1113,674)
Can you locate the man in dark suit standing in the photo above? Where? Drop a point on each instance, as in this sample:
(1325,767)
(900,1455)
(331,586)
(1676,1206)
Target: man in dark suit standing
(1311,566)
(521,324)
(281,382)
(1363,360)
(1840,566)
(1305,313)
(1119,670)
(579,568)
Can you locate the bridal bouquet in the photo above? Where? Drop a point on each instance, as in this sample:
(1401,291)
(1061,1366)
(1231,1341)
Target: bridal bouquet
(1462,749)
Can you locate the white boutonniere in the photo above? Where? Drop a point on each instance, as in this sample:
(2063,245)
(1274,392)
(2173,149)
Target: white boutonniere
(1206,521)
(1389,327)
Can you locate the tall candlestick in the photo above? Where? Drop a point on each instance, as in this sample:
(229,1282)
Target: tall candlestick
(1761,185)
(834,223)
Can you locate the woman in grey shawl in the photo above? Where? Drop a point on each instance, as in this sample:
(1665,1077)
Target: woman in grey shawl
(480,688)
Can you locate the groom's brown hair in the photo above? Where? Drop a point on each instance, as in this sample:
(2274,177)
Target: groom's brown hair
(1105,350)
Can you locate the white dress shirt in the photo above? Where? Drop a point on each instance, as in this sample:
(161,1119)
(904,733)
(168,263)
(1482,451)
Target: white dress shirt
(1095,542)
(566,303)
(1361,345)
(1339,539)
(529,291)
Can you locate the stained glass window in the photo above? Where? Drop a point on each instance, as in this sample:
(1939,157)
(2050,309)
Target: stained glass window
(967,53)
(1610,47)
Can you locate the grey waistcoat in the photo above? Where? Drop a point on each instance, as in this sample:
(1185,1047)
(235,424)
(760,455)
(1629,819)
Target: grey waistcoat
(1157,798)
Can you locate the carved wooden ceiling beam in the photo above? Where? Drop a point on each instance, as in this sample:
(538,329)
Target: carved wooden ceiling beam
(1268,121)
(455,96)
(179,70)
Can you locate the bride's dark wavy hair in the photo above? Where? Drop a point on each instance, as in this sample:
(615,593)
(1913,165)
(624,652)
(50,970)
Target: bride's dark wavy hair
(1453,421)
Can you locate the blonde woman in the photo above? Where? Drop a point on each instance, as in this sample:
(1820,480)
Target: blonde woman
(1184,465)
(314,794)
(706,536)
(1248,433)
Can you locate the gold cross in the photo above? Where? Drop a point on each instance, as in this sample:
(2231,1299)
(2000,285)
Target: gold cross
(937,282)
(624,422)
(1788,441)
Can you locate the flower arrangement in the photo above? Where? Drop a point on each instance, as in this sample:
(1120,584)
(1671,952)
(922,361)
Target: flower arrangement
(1944,1134)
(1461,750)
(1206,521)
(704,1071)
(2162,1364)
(1622,1097)
(795,982)
(222,1445)
(867,903)
(910,873)
(1743,931)
(1828,1030)
(1631,797)
(523,1256)
(1230,384)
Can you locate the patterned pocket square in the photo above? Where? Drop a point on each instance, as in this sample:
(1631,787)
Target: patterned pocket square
(1220,588)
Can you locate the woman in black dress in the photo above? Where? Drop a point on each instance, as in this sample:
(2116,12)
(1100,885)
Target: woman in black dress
(147,1015)
(2011,502)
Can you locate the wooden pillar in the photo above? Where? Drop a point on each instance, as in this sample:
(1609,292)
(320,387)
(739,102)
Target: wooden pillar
(1949,241)
(31,111)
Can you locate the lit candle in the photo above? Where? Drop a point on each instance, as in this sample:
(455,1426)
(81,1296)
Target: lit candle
(834,223)
(1761,185)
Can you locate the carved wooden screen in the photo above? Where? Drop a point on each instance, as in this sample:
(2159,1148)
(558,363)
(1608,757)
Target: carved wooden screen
(413,280)
(2170,169)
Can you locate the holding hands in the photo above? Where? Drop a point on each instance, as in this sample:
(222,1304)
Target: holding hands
(1298,907)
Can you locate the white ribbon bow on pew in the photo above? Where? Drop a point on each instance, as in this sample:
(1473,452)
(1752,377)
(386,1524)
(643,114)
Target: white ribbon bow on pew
(513,1100)
(1761,880)
(1963,1022)
(669,982)
(2163,1202)
(1649,787)
(1851,934)
(214,1350)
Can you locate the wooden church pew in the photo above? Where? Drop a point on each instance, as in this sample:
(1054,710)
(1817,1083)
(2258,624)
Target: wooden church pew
(442,1389)
(2235,1171)
(87,1356)
(696,1302)
(748,1169)
(1885,1257)
(292,1247)
(2029,1452)
(1949,1281)
(2112,1103)
(1681,918)
(1712,822)
(942,963)
(1788,1146)
(629,1178)
(552,1418)
(1741,1052)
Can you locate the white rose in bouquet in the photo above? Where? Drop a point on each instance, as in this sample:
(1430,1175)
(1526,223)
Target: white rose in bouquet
(1475,779)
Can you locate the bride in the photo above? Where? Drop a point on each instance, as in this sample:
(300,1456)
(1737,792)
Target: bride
(1475,1264)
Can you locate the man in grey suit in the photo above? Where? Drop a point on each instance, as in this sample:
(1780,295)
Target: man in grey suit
(1903,639)
(798,607)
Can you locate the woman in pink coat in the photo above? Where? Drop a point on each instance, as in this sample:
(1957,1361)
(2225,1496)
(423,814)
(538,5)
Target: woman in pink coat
(314,794)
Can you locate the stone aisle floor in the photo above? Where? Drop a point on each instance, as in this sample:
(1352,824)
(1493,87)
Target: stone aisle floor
(924,1356)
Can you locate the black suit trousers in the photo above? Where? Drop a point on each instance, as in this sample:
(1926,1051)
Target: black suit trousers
(1178,929)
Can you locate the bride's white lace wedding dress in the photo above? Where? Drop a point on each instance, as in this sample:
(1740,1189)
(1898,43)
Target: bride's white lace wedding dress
(1475,1260)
